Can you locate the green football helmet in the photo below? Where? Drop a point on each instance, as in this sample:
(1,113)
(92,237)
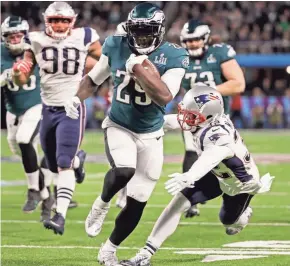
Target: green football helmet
(145,28)
(12,25)
(195,30)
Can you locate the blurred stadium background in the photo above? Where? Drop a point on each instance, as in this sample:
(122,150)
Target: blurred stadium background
(259,32)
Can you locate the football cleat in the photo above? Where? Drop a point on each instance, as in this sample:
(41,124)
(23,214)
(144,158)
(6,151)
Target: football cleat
(33,199)
(80,171)
(142,258)
(107,258)
(192,211)
(95,218)
(46,207)
(242,222)
(72,204)
(56,223)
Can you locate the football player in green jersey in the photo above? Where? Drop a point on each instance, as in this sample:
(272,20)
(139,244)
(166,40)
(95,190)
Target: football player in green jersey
(23,106)
(134,126)
(212,64)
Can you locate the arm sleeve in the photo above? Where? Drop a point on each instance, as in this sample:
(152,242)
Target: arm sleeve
(101,70)
(172,78)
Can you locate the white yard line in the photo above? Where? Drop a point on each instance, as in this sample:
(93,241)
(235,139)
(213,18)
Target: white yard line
(162,206)
(185,250)
(151,222)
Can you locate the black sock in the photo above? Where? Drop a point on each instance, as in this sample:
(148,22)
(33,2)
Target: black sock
(115,180)
(127,220)
(29,158)
(189,158)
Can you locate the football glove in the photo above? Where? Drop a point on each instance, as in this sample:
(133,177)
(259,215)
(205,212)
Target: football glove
(178,182)
(71,107)
(22,66)
(134,60)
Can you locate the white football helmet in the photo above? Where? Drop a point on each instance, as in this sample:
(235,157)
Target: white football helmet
(59,10)
(200,106)
(12,25)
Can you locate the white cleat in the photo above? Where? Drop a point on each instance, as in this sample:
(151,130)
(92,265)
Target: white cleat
(241,223)
(107,258)
(95,218)
(142,258)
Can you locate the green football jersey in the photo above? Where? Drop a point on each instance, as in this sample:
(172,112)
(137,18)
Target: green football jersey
(208,69)
(131,107)
(19,99)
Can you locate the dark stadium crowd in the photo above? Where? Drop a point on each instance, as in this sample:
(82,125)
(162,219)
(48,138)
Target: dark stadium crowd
(251,27)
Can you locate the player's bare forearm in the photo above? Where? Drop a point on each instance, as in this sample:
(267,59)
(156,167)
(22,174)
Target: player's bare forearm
(86,88)
(153,86)
(231,87)
(20,79)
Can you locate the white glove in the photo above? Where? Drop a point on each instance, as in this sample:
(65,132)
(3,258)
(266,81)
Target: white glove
(178,182)
(134,60)
(71,107)
(266,182)
(6,77)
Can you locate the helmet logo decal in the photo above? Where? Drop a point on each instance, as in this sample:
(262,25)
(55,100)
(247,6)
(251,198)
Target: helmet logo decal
(204,98)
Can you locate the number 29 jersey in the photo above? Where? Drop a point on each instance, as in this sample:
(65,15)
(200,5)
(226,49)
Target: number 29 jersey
(61,63)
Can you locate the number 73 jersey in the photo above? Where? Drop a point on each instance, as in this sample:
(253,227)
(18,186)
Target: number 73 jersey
(207,69)
(61,63)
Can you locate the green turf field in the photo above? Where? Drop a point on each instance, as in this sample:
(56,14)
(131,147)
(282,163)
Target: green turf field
(26,243)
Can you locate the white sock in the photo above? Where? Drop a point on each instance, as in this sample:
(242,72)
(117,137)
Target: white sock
(47,176)
(33,180)
(76,164)
(109,246)
(168,221)
(44,193)
(55,178)
(65,189)
(100,203)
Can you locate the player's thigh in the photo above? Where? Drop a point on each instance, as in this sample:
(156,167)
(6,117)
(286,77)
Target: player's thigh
(48,139)
(205,189)
(148,170)
(29,125)
(189,144)
(234,206)
(12,127)
(69,134)
(121,149)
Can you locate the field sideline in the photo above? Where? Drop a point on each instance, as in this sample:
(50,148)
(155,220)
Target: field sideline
(26,243)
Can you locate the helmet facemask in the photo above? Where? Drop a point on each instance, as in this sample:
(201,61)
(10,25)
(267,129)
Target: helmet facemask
(14,28)
(59,12)
(189,120)
(200,33)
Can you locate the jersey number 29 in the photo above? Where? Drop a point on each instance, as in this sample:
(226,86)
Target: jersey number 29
(70,57)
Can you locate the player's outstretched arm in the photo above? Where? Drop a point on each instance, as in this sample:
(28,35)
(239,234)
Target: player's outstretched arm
(235,83)
(22,69)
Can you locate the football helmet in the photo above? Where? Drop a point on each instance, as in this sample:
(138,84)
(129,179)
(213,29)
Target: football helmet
(59,10)
(11,25)
(145,28)
(195,30)
(200,106)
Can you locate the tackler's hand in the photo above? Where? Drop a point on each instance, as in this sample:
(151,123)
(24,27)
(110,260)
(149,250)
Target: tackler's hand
(178,182)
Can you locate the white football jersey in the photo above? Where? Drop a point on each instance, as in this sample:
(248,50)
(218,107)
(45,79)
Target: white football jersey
(61,63)
(238,173)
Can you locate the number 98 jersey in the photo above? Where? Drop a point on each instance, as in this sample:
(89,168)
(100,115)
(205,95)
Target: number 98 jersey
(18,99)
(61,63)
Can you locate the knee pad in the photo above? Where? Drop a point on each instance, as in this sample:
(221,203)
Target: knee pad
(126,173)
(29,157)
(64,161)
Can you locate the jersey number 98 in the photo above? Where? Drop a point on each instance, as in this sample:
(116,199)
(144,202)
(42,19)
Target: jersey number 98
(70,57)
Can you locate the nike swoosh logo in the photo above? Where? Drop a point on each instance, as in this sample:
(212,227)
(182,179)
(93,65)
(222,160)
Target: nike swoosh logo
(214,130)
